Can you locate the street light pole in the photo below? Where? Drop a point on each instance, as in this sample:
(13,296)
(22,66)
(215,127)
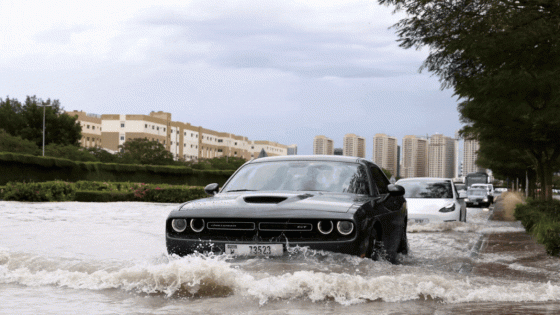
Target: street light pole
(44,111)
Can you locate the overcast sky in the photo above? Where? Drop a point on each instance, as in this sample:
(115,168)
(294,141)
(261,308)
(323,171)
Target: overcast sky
(282,71)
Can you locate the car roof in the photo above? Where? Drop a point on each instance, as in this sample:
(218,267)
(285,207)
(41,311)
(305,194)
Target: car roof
(334,158)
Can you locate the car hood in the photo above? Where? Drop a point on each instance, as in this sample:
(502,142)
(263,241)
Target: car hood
(423,205)
(273,203)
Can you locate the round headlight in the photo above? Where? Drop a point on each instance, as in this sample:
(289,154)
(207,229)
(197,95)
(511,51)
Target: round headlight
(345,227)
(179,225)
(325,227)
(197,225)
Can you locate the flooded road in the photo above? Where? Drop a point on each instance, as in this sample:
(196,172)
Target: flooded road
(110,258)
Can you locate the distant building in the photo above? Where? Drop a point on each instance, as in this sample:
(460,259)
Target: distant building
(441,156)
(322,146)
(470,154)
(184,141)
(91,129)
(292,149)
(338,151)
(385,152)
(415,157)
(398,161)
(354,145)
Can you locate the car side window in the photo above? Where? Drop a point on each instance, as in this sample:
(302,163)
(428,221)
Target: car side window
(359,183)
(380,180)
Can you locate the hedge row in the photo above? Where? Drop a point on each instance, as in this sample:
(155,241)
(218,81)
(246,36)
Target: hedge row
(100,192)
(542,220)
(16,167)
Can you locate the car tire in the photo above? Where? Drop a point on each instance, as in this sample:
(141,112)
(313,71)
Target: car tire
(375,247)
(403,245)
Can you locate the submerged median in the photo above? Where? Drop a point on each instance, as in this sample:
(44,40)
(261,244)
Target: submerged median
(100,192)
(541,219)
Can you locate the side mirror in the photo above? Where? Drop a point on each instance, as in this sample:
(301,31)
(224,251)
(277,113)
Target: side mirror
(211,189)
(396,190)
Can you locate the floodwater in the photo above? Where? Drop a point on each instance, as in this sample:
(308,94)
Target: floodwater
(110,258)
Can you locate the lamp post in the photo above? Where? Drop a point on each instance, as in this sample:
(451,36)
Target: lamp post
(44,105)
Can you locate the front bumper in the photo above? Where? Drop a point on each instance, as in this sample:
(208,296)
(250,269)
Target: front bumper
(182,247)
(434,217)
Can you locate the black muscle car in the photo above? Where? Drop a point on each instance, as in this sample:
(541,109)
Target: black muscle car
(333,203)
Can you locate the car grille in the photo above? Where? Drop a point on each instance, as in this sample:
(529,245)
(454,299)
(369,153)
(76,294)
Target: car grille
(265,230)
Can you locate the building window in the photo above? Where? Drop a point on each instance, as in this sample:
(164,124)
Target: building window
(146,126)
(153,127)
(157,129)
(87,126)
(122,125)
(93,127)
(122,138)
(164,129)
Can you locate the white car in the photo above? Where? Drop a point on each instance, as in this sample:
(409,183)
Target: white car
(433,200)
(489,188)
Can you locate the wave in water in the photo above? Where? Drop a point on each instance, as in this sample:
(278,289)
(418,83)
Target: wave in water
(203,276)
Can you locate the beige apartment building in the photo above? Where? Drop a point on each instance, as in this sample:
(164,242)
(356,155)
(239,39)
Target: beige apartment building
(184,141)
(470,149)
(323,146)
(415,157)
(441,156)
(385,151)
(353,145)
(91,129)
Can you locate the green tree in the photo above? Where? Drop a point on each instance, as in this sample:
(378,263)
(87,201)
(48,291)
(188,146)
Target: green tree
(502,59)
(9,143)
(103,155)
(144,151)
(11,119)
(26,120)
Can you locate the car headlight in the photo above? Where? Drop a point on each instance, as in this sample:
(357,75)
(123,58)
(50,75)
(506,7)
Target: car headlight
(325,227)
(179,225)
(485,199)
(197,225)
(345,227)
(448,208)
(466,199)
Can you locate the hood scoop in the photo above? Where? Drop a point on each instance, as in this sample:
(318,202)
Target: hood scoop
(264,199)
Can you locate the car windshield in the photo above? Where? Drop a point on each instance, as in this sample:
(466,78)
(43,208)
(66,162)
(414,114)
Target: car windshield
(325,176)
(477,192)
(427,189)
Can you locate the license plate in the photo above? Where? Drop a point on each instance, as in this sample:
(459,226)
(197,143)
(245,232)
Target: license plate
(420,220)
(475,203)
(254,250)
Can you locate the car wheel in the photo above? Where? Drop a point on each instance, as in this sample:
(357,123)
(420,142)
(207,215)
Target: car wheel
(403,245)
(375,248)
